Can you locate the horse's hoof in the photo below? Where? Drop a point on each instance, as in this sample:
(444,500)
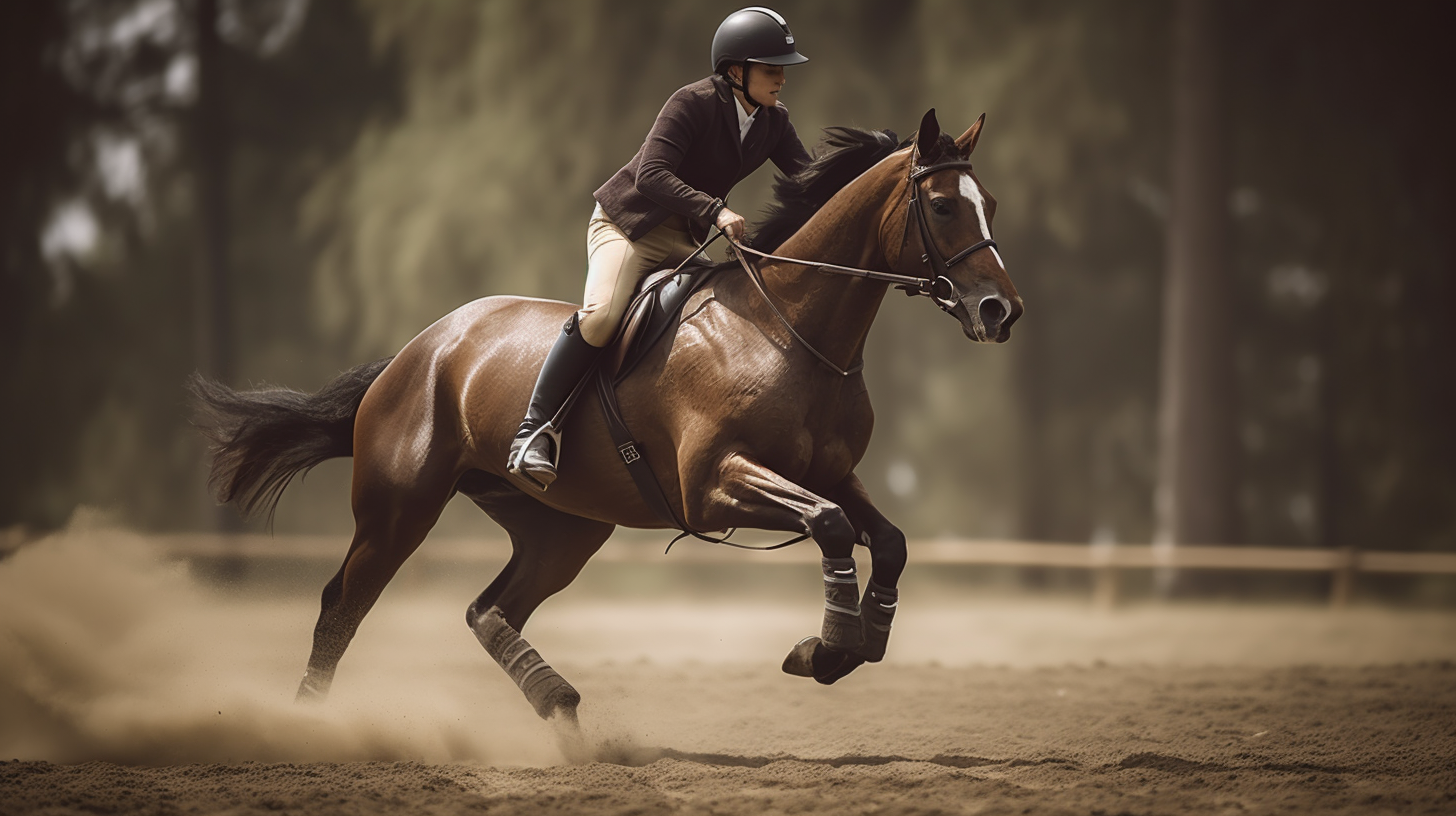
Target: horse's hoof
(800,662)
(554,697)
(312,690)
(564,714)
(811,658)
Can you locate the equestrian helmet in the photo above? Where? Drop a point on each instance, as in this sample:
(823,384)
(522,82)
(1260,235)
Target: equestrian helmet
(754,34)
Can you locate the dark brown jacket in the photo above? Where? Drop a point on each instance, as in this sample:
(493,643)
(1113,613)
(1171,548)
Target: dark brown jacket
(692,158)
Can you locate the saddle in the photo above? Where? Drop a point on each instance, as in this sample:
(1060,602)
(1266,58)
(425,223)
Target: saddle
(655,311)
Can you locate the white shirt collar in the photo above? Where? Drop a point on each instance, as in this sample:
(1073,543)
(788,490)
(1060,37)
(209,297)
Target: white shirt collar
(745,119)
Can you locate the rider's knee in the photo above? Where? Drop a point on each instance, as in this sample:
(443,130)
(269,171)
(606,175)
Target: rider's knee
(596,325)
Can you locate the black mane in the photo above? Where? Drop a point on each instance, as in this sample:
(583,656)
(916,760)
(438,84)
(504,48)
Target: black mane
(841,157)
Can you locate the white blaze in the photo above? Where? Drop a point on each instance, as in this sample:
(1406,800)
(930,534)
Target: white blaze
(972,193)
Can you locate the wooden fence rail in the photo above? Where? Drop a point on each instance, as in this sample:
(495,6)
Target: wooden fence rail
(1106,561)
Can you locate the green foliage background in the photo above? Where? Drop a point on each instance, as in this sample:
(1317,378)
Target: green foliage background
(390,161)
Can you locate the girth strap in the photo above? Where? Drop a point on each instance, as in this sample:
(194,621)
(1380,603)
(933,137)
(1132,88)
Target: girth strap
(631,453)
(634,458)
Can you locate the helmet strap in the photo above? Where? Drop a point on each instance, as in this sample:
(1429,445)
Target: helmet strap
(728,77)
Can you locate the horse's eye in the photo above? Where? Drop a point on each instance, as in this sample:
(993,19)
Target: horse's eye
(939,206)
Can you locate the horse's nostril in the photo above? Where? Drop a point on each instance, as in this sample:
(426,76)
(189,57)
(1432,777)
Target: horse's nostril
(993,310)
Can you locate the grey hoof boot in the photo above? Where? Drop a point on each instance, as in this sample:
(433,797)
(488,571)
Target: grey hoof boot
(877,611)
(547,691)
(843,629)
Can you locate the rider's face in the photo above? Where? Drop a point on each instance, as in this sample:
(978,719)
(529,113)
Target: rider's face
(764,83)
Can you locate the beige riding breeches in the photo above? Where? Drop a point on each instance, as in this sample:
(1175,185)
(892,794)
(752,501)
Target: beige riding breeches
(614,267)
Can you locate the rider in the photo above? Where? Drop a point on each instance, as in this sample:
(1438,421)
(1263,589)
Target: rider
(709,136)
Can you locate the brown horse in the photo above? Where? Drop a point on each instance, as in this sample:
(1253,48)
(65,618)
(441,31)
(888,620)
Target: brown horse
(740,423)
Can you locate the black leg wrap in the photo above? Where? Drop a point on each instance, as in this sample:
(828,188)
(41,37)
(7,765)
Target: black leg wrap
(547,692)
(877,610)
(842,627)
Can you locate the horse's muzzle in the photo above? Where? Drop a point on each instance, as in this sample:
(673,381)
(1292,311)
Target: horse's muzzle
(991,318)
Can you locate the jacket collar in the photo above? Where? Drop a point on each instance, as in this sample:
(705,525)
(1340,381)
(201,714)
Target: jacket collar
(728,104)
(725,93)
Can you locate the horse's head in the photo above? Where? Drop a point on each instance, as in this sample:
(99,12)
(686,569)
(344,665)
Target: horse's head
(947,234)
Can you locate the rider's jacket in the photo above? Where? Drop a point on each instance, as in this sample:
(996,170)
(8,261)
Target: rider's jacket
(692,157)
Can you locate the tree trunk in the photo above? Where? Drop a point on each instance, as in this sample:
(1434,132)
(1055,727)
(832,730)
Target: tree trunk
(1198,442)
(210,148)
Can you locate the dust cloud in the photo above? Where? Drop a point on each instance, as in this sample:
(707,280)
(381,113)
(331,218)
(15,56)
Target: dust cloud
(109,652)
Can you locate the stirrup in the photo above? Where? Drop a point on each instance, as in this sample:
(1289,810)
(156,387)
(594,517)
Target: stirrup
(514,466)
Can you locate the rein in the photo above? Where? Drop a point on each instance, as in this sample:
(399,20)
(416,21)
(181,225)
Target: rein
(937,286)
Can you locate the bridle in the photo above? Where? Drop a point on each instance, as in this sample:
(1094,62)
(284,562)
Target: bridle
(939,288)
(935,285)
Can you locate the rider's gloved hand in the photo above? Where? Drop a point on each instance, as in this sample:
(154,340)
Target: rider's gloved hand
(731,223)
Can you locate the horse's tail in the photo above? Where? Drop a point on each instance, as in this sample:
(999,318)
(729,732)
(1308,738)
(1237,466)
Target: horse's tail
(262,439)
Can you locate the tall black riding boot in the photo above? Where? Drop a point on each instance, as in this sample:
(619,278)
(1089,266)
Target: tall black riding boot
(536,448)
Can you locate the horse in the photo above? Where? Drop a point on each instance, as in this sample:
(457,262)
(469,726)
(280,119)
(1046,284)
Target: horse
(753,413)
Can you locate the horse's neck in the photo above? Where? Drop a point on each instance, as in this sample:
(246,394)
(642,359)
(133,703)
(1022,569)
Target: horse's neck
(832,312)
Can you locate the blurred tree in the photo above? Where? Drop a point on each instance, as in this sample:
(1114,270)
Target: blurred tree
(390,161)
(1197,440)
(38,172)
(1347,261)
(107,331)
(211,138)
(1073,135)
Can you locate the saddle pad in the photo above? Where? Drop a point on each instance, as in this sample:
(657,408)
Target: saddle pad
(656,308)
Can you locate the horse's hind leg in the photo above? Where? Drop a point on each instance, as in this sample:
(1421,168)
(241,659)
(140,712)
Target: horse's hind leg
(549,548)
(391,518)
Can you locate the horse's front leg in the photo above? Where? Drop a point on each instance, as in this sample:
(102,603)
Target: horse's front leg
(747,494)
(882,595)
(812,658)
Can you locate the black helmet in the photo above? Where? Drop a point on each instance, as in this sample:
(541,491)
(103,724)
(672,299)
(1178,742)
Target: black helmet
(754,34)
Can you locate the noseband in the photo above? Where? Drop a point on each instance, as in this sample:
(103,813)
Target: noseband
(937,285)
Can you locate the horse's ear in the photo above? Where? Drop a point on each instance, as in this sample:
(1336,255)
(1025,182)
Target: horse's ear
(927,139)
(967,141)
